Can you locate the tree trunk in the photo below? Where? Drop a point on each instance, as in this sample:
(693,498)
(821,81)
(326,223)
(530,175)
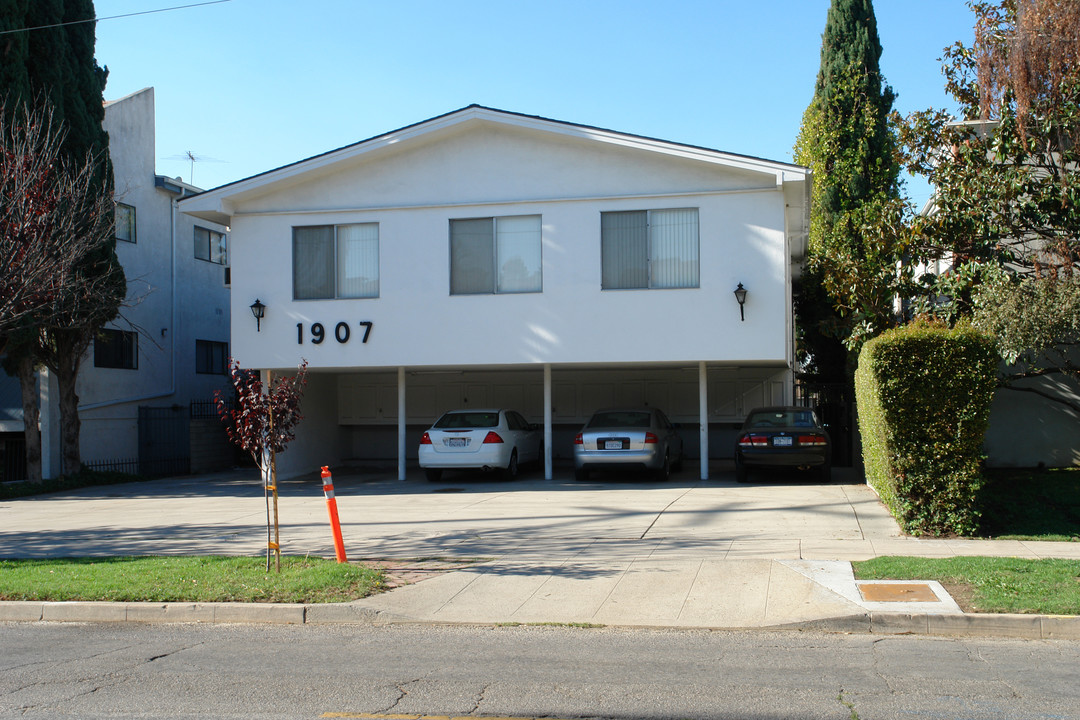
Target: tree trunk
(70,347)
(31,404)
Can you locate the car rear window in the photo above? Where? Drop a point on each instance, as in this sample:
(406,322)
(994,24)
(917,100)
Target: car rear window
(468,420)
(620,419)
(782,418)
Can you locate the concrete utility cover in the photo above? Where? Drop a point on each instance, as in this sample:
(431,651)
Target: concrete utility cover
(897,592)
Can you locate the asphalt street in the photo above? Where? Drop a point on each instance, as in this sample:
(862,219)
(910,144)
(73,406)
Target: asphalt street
(241,671)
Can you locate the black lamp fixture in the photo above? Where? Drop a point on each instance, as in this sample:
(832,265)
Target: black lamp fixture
(740,296)
(259,311)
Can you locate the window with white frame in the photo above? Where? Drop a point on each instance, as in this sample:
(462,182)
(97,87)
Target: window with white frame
(496,255)
(125,222)
(649,249)
(210,246)
(336,261)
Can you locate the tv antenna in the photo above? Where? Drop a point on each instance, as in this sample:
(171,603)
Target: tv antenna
(192,158)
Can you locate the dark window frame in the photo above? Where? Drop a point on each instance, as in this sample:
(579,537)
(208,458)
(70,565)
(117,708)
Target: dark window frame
(211,357)
(132,224)
(207,254)
(117,349)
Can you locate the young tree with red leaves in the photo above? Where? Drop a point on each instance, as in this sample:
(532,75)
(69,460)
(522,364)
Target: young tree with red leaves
(263,422)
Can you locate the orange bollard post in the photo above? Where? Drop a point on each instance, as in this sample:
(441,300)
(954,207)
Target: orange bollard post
(331,506)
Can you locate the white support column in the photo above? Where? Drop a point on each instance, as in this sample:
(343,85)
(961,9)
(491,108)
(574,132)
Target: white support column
(547,421)
(401,423)
(703,413)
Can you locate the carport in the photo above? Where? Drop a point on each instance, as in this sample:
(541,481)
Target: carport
(380,409)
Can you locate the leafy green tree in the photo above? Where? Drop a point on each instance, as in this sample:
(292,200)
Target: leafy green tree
(56,57)
(1005,216)
(857,216)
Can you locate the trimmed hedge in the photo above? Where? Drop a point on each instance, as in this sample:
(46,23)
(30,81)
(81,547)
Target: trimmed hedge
(923,393)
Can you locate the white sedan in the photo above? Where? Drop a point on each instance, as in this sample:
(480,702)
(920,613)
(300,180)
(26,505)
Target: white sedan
(479,439)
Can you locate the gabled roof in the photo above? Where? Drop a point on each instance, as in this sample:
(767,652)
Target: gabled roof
(215,204)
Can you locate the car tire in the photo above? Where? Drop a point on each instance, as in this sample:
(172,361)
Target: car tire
(511,470)
(825,473)
(677,466)
(581,474)
(433,475)
(741,475)
(663,473)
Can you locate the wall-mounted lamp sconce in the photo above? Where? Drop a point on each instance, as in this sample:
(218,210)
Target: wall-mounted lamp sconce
(259,311)
(740,296)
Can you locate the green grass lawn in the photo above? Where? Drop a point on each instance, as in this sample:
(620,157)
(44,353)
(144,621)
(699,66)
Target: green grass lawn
(1016,505)
(988,584)
(187,579)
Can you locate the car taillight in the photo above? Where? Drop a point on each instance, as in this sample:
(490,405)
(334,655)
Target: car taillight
(650,438)
(425,440)
(812,440)
(492,437)
(579,440)
(753,440)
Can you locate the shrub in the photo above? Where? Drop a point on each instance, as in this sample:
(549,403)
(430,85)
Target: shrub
(923,393)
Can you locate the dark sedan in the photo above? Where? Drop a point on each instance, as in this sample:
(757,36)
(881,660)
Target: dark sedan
(783,437)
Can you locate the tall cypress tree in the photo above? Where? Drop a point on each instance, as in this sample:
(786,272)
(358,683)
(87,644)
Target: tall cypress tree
(847,141)
(14,80)
(58,68)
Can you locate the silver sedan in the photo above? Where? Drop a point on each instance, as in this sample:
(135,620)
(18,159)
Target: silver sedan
(632,438)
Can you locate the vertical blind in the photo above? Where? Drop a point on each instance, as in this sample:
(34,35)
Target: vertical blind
(624,250)
(649,249)
(313,262)
(341,261)
(496,255)
(472,261)
(673,255)
(518,251)
(358,260)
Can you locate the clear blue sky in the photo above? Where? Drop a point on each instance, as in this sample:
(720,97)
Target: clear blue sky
(251,85)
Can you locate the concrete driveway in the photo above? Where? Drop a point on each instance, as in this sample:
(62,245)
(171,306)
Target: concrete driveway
(480,516)
(618,550)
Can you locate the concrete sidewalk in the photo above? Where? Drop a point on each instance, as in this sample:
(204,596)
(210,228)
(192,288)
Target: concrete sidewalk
(616,551)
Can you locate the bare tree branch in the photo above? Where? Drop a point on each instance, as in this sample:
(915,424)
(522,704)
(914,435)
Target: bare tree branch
(54,216)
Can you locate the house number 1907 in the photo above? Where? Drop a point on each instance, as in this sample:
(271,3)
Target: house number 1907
(342,332)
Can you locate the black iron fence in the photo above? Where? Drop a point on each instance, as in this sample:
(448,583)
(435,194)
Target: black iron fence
(12,457)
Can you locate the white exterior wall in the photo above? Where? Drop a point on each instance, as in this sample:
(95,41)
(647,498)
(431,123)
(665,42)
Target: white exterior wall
(413,182)
(414,193)
(418,323)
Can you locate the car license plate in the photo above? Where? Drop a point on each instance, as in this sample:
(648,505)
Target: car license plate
(782,441)
(613,444)
(456,442)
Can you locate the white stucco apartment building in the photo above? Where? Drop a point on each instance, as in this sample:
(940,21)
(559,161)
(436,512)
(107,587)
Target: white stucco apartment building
(485,258)
(170,344)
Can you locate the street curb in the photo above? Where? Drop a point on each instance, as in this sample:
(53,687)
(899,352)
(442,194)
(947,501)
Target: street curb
(1029,627)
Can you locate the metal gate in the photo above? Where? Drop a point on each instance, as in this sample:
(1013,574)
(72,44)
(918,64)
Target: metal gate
(12,457)
(835,405)
(164,441)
